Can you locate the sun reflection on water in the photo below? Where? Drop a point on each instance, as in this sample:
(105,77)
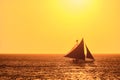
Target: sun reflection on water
(57,67)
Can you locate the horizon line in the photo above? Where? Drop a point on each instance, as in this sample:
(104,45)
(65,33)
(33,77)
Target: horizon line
(53,53)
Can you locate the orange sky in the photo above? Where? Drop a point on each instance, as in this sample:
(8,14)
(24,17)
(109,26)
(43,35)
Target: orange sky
(52,26)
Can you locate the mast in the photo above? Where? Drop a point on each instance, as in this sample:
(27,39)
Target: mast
(78,52)
(89,55)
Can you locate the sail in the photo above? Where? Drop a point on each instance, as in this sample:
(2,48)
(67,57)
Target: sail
(89,55)
(78,52)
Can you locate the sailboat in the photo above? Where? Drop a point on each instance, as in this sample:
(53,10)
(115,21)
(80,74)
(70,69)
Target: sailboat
(78,53)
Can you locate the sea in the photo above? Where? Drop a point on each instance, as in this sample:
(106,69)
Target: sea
(58,67)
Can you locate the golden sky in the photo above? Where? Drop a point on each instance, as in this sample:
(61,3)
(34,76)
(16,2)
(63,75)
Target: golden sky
(52,26)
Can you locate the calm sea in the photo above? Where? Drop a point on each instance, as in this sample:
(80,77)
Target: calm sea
(57,67)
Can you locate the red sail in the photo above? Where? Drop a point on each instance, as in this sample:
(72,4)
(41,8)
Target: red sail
(78,52)
(89,55)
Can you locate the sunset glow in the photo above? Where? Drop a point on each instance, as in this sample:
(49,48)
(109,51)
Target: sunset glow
(53,26)
(76,5)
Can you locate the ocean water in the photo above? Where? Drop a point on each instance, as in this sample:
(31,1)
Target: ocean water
(57,67)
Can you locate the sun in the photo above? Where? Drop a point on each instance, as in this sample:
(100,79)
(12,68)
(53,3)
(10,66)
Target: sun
(76,5)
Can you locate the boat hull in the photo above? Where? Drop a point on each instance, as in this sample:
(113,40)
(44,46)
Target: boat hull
(83,61)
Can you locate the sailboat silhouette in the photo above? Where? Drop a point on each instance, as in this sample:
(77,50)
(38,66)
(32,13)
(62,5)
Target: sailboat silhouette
(78,53)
